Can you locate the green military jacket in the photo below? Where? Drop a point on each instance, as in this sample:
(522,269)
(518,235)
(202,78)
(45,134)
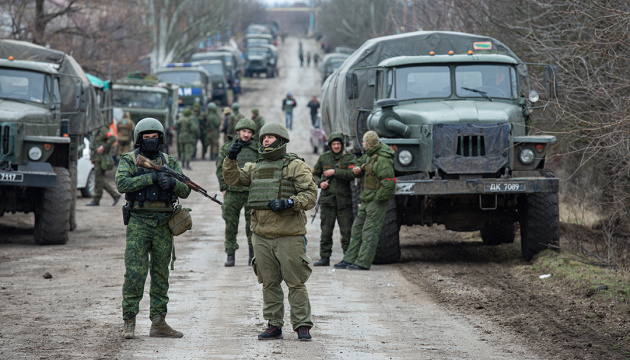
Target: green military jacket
(99,137)
(126,182)
(337,193)
(249,153)
(187,129)
(267,223)
(231,129)
(259,121)
(382,167)
(213,124)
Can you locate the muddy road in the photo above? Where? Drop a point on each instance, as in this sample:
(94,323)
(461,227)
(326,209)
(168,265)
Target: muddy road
(449,298)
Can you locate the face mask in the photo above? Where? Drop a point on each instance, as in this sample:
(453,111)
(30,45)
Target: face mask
(150,146)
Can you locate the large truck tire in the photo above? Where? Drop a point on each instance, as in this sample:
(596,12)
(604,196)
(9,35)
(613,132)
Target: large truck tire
(388,249)
(498,233)
(53,211)
(539,223)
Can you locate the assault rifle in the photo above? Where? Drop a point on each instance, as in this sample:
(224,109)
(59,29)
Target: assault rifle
(319,198)
(143,162)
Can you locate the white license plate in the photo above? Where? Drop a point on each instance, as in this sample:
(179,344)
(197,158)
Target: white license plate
(504,187)
(11,177)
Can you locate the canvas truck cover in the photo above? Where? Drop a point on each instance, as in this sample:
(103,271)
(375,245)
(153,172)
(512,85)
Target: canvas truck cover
(339,113)
(71,72)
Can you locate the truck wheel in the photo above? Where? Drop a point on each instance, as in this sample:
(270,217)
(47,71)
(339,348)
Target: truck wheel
(498,233)
(53,211)
(88,190)
(539,223)
(388,249)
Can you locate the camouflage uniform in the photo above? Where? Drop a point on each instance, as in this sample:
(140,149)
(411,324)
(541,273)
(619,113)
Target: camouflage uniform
(335,204)
(201,124)
(236,196)
(377,187)
(279,236)
(187,129)
(227,116)
(101,137)
(234,119)
(125,133)
(258,120)
(213,130)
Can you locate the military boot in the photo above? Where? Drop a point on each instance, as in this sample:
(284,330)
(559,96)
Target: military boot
(322,262)
(230,260)
(129,329)
(251,254)
(159,328)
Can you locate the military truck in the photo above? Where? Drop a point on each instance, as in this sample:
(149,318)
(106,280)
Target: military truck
(454,108)
(261,59)
(195,83)
(217,72)
(230,58)
(330,63)
(47,107)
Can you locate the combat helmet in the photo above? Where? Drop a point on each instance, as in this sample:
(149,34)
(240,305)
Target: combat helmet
(235,106)
(246,123)
(148,125)
(276,129)
(212,106)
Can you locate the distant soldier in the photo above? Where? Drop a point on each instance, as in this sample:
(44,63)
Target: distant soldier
(213,130)
(187,129)
(333,174)
(301,54)
(125,133)
(227,115)
(316,58)
(257,119)
(201,121)
(377,187)
(235,197)
(101,142)
(308,58)
(236,117)
(314,106)
(236,90)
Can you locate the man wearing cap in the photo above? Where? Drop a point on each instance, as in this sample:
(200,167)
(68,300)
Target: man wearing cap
(333,174)
(288,103)
(257,119)
(235,197)
(378,183)
(281,188)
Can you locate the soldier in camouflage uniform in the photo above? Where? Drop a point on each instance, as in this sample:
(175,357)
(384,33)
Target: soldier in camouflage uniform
(281,188)
(333,174)
(377,187)
(236,117)
(235,197)
(201,136)
(227,115)
(213,130)
(125,133)
(258,120)
(101,141)
(187,130)
(150,196)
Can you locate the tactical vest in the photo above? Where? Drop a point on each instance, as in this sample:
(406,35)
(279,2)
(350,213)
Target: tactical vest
(268,183)
(370,180)
(247,155)
(153,195)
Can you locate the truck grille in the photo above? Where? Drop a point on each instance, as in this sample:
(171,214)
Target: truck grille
(471,145)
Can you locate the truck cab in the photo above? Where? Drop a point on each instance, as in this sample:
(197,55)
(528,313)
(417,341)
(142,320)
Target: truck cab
(195,83)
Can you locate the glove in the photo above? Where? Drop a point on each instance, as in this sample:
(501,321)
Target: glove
(234,150)
(166,182)
(278,205)
(155,175)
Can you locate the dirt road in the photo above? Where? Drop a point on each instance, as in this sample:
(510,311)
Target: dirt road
(446,300)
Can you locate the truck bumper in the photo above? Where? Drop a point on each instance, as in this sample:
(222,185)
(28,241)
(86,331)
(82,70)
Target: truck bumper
(477,186)
(32,174)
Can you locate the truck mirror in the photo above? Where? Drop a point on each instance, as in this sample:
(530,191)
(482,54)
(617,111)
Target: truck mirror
(550,80)
(352,86)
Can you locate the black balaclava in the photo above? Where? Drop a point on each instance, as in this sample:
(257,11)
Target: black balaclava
(150,147)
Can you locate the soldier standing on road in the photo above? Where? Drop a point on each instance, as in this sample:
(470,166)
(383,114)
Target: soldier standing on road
(281,188)
(101,141)
(201,121)
(333,174)
(377,187)
(125,133)
(227,115)
(258,120)
(288,103)
(316,58)
(308,58)
(187,129)
(236,117)
(235,197)
(213,130)
(150,196)
(314,106)
(301,55)
(236,90)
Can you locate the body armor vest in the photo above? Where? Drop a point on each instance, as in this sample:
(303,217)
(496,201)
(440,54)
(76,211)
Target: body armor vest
(247,155)
(370,180)
(152,192)
(268,183)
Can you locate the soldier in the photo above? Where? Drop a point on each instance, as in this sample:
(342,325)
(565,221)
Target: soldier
(258,120)
(235,197)
(101,141)
(288,103)
(316,58)
(377,187)
(281,188)
(333,174)
(314,106)
(201,121)
(150,196)
(236,117)
(213,130)
(125,133)
(187,129)
(308,58)
(227,115)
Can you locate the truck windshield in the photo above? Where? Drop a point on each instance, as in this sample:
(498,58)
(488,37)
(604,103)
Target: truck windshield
(139,99)
(422,82)
(496,81)
(213,69)
(25,85)
(181,77)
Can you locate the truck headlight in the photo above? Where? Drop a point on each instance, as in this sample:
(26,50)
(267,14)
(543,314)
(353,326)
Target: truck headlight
(34,153)
(405,157)
(527,156)
(534,96)
(220,85)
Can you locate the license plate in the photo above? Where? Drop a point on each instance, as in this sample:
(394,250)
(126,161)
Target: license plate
(504,187)
(11,177)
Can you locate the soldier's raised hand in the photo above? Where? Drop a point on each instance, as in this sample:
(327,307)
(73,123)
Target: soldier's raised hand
(234,150)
